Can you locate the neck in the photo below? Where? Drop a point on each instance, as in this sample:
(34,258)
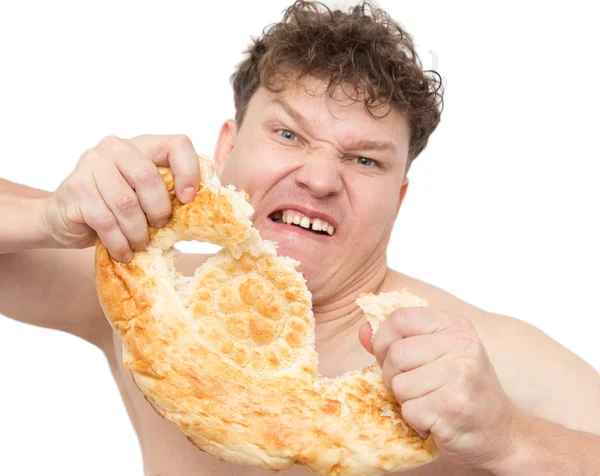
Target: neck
(337,316)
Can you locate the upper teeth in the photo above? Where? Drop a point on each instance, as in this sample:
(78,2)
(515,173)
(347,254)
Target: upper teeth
(317,224)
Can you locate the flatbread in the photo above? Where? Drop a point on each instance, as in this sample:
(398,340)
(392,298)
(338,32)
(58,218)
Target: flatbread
(228,354)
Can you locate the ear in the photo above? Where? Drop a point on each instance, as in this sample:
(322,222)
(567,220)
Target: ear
(225,144)
(403,190)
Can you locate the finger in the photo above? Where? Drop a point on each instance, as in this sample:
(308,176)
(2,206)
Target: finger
(99,217)
(123,202)
(412,321)
(413,352)
(421,413)
(402,323)
(365,334)
(176,152)
(142,176)
(420,381)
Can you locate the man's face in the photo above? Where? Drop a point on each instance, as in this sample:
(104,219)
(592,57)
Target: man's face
(304,157)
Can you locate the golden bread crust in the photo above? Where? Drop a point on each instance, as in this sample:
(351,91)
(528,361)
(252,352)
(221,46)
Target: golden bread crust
(228,354)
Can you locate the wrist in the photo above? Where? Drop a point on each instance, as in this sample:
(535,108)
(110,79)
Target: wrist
(25,224)
(45,235)
(509,456)
(529,453)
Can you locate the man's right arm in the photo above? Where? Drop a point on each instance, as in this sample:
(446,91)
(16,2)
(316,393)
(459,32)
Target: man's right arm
(43,285)
(47,239)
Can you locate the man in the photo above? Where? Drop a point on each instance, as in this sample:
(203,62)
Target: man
(304,150)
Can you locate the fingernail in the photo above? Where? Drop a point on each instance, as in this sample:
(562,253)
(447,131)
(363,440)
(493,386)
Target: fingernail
(127,257)
(188,194)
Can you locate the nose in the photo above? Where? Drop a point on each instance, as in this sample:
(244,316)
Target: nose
(320,174)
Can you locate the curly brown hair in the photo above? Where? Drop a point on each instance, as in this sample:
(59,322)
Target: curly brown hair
(364,51)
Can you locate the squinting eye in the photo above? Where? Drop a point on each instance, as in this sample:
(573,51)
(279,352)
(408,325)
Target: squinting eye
(365,161)
(289,135)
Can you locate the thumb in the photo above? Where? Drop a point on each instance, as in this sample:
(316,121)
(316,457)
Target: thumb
(365,334)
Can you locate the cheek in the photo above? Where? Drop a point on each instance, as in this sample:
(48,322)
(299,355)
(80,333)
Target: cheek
(255,169)
(374,212)
(376,202)
(232,175)
(242,166)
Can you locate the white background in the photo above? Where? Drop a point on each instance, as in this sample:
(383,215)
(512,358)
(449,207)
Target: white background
(502,209)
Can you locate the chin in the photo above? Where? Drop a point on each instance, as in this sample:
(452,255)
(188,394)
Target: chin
(295,248)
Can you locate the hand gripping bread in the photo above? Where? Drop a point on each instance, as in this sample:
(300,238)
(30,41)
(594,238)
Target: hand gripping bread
(228,354)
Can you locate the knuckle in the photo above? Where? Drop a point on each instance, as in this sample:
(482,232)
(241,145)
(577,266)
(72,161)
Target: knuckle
(398,387)
(127,203)
(377,348)
(397,354)
(103,221)
(445,434)
(110,142)
(77,185)
(141,138)
(398,318)
(181,141)
(457,320)
(457,404)
(410,319)
(465,369)
(147,174)
(411,412)
(469,342)
(88,156)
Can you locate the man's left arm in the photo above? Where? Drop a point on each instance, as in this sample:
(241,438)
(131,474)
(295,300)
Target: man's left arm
(438,368)
(545,448)
(540,375)
(559,429)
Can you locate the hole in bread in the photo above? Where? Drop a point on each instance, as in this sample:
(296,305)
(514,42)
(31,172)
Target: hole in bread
(192,254)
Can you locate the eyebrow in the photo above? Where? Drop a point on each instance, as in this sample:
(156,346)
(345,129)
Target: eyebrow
(362,144)
(366,144)
(299,118)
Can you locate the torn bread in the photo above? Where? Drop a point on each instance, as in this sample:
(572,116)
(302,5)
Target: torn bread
(228,354)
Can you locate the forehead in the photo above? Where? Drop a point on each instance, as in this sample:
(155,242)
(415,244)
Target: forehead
(341,111)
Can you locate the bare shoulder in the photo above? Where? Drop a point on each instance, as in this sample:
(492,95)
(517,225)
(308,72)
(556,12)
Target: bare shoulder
(543,376)
(537,372)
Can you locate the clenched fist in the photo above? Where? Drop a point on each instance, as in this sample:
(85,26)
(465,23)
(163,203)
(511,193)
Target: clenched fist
(438,370)
(116,190)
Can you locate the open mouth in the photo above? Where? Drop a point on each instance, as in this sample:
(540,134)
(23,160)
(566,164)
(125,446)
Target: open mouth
(295,218)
